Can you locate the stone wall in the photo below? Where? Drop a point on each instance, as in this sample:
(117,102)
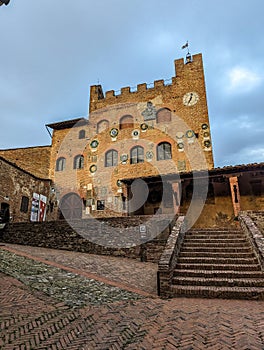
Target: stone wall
(168,259)
(258,218)
(252,224)
(120,236)
(16,184)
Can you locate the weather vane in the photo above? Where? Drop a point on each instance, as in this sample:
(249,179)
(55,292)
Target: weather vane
(188,55)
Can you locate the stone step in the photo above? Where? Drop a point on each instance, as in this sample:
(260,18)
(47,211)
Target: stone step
(199,236)
(216,261)
(216,249)
(215,245)
(218,266)
(256,293)
(215,240)
(219,273)
(214,232)
(222,282)
(223,229)
(219,254)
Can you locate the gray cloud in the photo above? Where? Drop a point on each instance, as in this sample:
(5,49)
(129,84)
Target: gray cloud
(52,51)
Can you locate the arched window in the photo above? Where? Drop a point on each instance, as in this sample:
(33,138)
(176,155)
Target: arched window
(163,115)
(111,158)
(78,162)
(60,164)
(81,134)
(137,155)
(163,151)
(102,125)
(126,122)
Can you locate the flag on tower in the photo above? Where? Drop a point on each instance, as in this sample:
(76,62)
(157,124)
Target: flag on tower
(185,45)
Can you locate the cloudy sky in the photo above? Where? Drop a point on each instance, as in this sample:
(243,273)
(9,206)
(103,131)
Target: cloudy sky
(53,50)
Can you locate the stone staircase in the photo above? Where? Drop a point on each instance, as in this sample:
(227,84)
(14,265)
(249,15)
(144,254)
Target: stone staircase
(215,263)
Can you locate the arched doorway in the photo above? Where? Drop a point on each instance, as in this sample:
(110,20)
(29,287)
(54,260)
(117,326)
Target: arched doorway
(71,207)
(4,213)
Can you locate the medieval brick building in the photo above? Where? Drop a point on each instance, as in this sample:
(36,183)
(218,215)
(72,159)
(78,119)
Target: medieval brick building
(143,151)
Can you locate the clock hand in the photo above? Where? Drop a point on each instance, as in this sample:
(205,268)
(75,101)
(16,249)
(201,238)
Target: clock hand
(191,95)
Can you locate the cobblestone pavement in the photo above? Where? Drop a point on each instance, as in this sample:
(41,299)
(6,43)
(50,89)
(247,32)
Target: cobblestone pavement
(31,319)
(126,271)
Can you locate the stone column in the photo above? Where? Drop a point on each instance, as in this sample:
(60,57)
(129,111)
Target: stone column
(176,196)
(233,181)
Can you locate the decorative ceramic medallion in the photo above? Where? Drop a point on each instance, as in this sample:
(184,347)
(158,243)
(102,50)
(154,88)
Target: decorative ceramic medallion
(190,134)
(93,168)
(149,155)
(179,135)
(207,143)
(144,127)
(94,144)
(135,134)
(113,132)
(124,158)
(119,183)
(180,146)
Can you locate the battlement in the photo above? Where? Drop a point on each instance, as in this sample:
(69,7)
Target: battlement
(182,70)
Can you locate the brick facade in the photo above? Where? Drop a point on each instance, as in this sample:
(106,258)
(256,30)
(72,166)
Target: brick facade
(35,160)
(150,132)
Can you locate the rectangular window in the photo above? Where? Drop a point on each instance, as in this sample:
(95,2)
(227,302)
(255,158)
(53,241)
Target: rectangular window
(24,204)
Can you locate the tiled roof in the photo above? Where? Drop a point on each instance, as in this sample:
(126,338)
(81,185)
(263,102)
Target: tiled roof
(68,124)
(232,169)
(3,159)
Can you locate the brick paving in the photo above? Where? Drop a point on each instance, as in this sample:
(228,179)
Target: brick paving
(30,319)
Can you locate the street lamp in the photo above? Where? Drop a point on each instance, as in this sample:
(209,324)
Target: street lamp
(2,2)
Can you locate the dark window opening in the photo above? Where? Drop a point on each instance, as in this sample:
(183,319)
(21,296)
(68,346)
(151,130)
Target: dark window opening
(81,134)
(100,205)
(4,213)
(235,193)
(24,204)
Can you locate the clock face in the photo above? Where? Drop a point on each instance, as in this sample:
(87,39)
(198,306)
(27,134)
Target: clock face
(190,98)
